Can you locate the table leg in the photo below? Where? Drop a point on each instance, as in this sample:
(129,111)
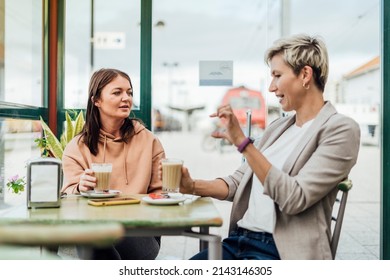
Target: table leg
(203,245)
(85,252)
(214,242)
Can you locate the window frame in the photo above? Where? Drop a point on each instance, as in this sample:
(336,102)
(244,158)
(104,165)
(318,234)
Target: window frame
(53,111)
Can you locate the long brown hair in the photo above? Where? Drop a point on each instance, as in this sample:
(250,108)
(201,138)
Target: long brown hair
(91,129)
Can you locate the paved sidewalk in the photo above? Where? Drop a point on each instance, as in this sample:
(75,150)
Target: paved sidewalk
(360,232)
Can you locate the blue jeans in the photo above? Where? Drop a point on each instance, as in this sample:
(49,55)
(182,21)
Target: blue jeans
(244,244)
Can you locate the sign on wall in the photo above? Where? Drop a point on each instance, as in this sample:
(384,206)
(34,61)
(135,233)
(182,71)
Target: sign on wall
(216,73)
(110,40)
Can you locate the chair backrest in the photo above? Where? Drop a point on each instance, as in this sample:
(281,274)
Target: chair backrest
(344,188)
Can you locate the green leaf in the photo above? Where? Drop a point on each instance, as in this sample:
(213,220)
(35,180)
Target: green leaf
(52,142)
(79,123)
(63,140)
(69,132)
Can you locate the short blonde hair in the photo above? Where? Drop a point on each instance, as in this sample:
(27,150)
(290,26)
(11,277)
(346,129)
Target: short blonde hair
(303,50)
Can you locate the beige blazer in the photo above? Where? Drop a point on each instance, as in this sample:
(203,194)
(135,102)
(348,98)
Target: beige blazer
(305,190)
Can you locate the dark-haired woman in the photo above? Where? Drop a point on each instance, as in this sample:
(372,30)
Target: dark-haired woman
(110,136)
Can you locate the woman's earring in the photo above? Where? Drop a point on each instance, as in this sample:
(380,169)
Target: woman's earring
(305,86)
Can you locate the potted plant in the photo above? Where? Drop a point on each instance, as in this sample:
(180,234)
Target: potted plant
(16,184)
(50,145)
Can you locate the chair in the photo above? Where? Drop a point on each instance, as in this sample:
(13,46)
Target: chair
(52,235)
(344,188)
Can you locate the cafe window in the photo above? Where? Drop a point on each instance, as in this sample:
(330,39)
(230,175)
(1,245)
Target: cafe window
(21,52)
(240,31)
(17,146)
(21,87)
(106,36)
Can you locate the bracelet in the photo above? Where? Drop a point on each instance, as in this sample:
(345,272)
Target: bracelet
(245,143)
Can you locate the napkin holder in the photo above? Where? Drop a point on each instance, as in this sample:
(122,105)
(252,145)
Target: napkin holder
(44,179)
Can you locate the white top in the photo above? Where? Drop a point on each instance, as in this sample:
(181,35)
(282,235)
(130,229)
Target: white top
(260,215)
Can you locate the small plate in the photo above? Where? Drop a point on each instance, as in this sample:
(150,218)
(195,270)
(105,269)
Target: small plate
(164,201)
(92,194)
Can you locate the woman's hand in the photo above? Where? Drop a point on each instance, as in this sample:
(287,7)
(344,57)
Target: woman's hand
(186,183)
(232,129)
(87,181)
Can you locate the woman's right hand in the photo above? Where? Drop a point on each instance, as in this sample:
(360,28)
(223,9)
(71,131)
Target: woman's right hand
(232,130)
(87,181)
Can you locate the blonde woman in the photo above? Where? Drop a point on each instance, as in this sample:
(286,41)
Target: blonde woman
(283,195)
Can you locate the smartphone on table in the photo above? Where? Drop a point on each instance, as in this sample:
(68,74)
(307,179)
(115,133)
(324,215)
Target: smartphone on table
(113,201)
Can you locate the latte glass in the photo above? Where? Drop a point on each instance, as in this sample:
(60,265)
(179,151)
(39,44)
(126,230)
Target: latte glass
(171,175)
(102,173)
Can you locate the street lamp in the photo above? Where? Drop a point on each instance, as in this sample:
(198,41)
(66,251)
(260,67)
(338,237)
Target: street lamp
(170,66)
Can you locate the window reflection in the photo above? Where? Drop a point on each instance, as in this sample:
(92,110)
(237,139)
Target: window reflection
(17,146)
(107,37)
(21,52)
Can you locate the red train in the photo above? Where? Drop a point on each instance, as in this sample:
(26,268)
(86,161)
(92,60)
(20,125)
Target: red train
(243,99)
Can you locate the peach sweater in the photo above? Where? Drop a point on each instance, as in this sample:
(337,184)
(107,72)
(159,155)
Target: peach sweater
(135,164)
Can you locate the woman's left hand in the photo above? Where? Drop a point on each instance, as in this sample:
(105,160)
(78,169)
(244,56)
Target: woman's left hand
(186,182)
(232,132)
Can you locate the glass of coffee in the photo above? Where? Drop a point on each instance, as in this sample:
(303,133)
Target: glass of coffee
(171,175)
(102,173)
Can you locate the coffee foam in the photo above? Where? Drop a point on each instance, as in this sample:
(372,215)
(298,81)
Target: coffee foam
(102,168)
